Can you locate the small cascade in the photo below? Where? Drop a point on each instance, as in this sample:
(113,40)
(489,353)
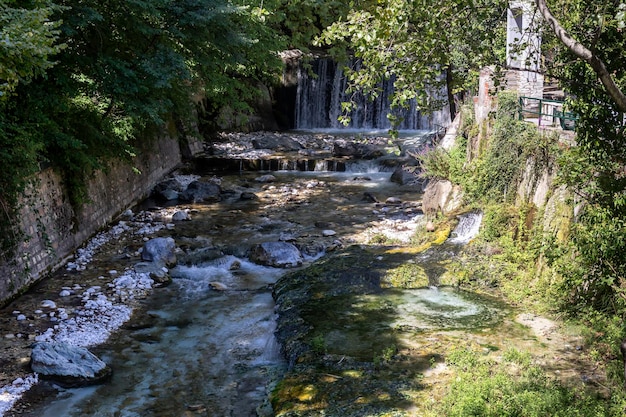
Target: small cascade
(319,98)
(320,165)
(467,229)
(370,166)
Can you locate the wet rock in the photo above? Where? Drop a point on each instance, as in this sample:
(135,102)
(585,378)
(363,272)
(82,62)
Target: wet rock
(201,192)
(277,254)
(265,178)
(168,189)
(181,215)
(200,255)
(157,272)
(169,195)
(276,143)
(68,365)
(218,286)
(369,197)
(343,148)
(160,250)
(247,195)
(404,175)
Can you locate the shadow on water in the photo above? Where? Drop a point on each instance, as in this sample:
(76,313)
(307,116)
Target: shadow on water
(357,347)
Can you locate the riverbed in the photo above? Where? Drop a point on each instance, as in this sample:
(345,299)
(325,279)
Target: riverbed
(206,344)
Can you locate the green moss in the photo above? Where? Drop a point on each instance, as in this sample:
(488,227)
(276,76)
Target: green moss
(408,275)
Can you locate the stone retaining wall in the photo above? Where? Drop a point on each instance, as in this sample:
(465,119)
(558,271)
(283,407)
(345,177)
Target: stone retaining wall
(54,230)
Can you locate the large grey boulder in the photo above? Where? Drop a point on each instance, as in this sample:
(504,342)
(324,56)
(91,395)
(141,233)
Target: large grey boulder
(168,189)
(70,366)
(277,143)
(277,254)
(160,250)
(441,196)
(353,149)
(201,192)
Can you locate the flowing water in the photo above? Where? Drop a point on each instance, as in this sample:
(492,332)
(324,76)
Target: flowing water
(319,98)
(194,348)
(205,344)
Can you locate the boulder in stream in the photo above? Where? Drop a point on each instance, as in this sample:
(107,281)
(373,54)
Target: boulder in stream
(160,250)
(277,254)
(405,175)
(277,143)
(70,366)
(201,192)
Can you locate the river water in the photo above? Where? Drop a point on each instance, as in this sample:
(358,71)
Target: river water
(205,345)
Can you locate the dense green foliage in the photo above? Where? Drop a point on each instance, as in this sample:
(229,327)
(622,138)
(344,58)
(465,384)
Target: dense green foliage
(421,46)
(85,81)
(595,167)
(27,40)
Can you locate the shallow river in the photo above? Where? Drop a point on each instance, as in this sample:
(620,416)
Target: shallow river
(205,345)
(192,349)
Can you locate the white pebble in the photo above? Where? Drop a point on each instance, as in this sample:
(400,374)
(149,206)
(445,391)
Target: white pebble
(48,304)
(21,317)
(65,293)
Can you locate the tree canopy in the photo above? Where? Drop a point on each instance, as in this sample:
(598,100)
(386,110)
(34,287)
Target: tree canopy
(82,80)
(420,45)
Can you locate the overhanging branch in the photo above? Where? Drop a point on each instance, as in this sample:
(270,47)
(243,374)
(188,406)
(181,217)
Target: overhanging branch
(585,54)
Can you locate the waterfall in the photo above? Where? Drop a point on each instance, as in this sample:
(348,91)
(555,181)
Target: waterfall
(319,98)
(467,229)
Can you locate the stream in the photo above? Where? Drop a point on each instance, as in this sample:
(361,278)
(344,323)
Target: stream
(205,345)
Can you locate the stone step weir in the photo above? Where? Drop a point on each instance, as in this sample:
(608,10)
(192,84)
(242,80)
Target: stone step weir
(229,165)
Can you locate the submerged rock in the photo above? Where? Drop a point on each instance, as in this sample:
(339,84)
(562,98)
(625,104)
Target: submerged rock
(68,365)
(277,254)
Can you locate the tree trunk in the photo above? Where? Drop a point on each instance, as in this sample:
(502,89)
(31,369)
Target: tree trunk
(449,88)
(585,54)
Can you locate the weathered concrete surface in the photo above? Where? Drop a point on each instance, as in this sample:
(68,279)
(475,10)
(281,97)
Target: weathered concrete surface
(53,229)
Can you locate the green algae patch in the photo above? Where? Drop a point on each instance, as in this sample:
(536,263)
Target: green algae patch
(359,337)
(336,387)
(408,275)
(438,237)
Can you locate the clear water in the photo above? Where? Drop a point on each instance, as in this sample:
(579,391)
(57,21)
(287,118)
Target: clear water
(199,349)
(205,344)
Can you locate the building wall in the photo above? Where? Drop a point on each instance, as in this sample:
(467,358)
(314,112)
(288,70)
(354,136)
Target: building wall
(54,230)
(523,49)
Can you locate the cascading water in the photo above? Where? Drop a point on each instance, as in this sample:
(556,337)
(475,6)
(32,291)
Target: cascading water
(467,229)
(319,98)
